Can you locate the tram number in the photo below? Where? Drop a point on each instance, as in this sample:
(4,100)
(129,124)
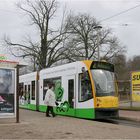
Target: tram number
(136,77)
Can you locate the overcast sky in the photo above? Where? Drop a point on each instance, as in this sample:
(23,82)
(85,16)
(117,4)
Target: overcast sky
(125,26)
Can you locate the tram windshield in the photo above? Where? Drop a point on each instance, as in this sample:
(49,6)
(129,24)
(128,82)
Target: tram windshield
(104,82)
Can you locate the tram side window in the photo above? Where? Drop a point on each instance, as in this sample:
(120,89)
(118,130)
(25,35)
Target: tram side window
(28,94)
(85,90)
(56,81)
(33,90)
(45,87)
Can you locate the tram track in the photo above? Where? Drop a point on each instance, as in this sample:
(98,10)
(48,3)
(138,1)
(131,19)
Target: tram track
(121,121)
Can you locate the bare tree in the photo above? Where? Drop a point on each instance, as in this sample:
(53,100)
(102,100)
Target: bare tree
(83,41)
(124,67)
(49,48)
(120,64)
(133,64)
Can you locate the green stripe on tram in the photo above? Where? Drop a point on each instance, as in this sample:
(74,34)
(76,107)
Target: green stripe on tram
(28,106)
(88,113)
(42,108)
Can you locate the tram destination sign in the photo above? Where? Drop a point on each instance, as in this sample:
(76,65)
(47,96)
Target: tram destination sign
(102,65)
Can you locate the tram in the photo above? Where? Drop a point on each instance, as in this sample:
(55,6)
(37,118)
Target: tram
(83,89)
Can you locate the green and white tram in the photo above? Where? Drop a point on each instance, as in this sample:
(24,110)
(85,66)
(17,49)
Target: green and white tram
(84,89)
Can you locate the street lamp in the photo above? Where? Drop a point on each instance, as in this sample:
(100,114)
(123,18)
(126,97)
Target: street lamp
(97,28)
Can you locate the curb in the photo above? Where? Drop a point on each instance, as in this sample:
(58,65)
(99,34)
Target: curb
(130,109)
(130,119)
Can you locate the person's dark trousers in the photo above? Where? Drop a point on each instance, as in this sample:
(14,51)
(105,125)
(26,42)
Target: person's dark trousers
(50,109)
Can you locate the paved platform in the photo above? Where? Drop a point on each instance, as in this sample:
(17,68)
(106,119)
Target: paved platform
(34,125)
(130,115)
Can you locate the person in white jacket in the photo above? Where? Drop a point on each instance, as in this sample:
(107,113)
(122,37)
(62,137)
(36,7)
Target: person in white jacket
(50,100)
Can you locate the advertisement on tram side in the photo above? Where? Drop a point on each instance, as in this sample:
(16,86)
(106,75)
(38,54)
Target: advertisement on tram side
(135,85)
(7,92)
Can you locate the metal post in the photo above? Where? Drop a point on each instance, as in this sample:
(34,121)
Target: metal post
(37,91)
(131,99)
(131,102)
(97,28)
(98,45)
(130,84)
(17,94)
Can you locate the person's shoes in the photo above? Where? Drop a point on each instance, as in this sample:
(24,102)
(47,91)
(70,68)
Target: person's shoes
(48,116)
(54,115)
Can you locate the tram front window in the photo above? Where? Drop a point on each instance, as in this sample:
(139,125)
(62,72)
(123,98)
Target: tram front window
(104,82)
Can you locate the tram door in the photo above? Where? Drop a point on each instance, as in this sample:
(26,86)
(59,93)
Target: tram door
(71,94)
(27,92)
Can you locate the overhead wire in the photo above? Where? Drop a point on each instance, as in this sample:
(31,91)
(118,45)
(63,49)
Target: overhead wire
(120,13)
(110,17)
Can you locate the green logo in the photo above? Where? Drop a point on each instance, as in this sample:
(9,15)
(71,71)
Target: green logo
(58,91)
(64,107)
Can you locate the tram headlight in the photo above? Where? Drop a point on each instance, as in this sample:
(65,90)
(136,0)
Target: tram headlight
(98,102)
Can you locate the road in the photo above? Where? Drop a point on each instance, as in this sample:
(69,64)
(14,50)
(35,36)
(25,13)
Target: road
(34,125)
